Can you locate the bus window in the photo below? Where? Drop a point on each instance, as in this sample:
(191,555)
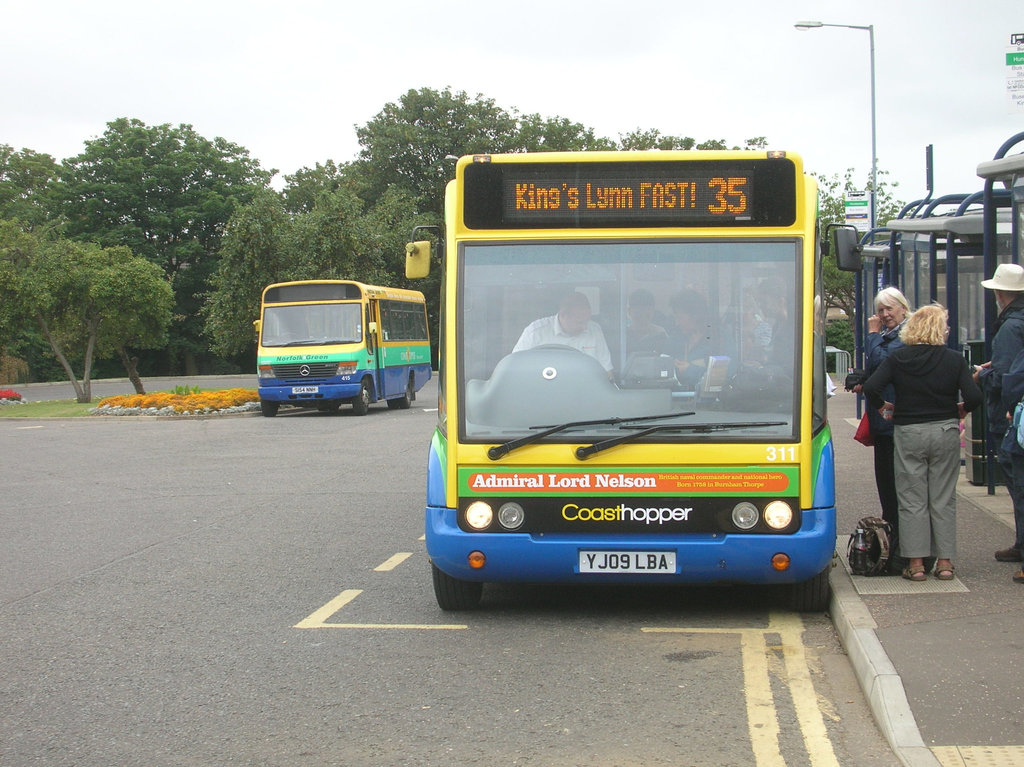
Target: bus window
(751,323)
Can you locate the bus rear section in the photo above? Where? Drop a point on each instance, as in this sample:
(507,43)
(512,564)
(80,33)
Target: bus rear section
(326,343)
(631,392)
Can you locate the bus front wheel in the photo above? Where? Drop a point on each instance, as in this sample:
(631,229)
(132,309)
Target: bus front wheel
(813,595)
(269,409)
(453,594)
(361,402)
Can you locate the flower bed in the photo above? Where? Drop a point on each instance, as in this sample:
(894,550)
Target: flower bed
(169,403)
(9,397)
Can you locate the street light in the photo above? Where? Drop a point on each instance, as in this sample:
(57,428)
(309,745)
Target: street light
(803,26)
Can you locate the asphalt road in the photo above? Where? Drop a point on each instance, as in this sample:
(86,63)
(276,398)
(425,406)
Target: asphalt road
(253,591)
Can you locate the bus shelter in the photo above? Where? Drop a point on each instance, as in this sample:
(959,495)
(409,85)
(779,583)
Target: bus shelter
(939,250)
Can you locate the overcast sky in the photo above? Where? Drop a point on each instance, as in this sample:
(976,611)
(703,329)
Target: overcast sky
(289,81)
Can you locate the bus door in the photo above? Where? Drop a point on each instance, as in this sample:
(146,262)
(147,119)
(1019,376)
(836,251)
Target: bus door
(374,351)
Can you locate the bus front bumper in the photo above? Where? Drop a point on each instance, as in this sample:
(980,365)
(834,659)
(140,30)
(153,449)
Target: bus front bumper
(311,394)
(699,558)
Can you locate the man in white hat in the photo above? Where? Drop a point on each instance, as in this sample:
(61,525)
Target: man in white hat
(1008,286)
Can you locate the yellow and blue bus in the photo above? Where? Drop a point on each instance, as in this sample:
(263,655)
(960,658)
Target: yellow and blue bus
(323,343)
(632,386)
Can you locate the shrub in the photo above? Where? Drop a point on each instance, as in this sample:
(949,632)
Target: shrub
(10,394)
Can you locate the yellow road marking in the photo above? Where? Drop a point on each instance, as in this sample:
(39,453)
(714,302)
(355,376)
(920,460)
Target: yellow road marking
(392,562)
(318,619)
(405,626)
(805,699)
(762,714)
(762,719)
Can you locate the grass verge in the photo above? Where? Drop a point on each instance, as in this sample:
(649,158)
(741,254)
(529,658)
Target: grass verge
(58,408)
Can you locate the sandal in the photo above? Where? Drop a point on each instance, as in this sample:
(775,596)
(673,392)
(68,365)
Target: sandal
(944,572)
(914,573)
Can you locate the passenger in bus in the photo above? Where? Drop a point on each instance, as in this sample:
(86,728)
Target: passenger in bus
(572,326)
(642,334)
(690,340)
(775,329)
(934,389)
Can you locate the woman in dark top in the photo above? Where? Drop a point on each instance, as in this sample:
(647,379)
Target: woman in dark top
(884,326)
(929,380)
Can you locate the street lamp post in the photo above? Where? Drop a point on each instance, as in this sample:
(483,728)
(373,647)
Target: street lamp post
(803,26)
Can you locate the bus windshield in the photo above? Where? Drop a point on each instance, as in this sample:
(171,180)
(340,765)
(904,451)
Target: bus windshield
(312,324)
(699,332)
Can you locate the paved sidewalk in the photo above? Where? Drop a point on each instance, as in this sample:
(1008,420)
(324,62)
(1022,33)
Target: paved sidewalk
(938,661)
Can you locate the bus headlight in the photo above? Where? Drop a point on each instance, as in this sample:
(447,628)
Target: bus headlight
(778,515)
(479,515)
(745,515)
(511,515)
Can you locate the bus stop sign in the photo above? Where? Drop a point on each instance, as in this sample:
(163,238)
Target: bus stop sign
(858,210)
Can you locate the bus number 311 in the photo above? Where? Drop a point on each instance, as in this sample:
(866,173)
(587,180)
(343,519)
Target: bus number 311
(780,453)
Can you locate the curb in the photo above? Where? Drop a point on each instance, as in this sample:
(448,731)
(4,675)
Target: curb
(882,686)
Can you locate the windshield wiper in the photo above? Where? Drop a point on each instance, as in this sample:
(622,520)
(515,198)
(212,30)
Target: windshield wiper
(585,452)
(499,451)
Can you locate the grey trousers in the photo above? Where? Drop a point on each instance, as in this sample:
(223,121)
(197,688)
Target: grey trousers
(927,463)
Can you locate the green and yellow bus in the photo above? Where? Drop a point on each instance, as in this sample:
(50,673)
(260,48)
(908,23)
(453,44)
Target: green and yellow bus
(632,385)
(323,343)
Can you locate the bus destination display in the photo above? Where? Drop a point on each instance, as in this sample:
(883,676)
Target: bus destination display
(684,193)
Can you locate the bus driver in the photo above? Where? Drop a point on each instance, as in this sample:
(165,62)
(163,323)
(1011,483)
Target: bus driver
(573,327)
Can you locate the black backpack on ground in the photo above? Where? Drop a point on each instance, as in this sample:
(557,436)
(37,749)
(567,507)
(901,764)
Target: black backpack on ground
(871,546)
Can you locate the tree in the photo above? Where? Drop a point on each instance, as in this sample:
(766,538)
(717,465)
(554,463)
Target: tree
(166,193)
(86,300)
(25,177)
(334,239)
(653,138)
(17,248)
(134,301)
(557,134)
(408,143)
(640,139)
(253,255)
(307,186)
(839,285)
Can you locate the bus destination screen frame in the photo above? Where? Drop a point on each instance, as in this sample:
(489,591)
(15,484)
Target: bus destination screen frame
(575,195)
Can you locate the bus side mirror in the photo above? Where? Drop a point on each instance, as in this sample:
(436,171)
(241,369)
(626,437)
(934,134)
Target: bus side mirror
(849,253)
(257,326)
(371,328)
(417,259)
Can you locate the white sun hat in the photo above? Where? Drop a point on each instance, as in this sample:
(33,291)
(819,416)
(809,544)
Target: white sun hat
(1009,277)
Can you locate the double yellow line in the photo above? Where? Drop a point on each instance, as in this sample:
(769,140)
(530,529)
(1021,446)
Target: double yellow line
(762,713)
